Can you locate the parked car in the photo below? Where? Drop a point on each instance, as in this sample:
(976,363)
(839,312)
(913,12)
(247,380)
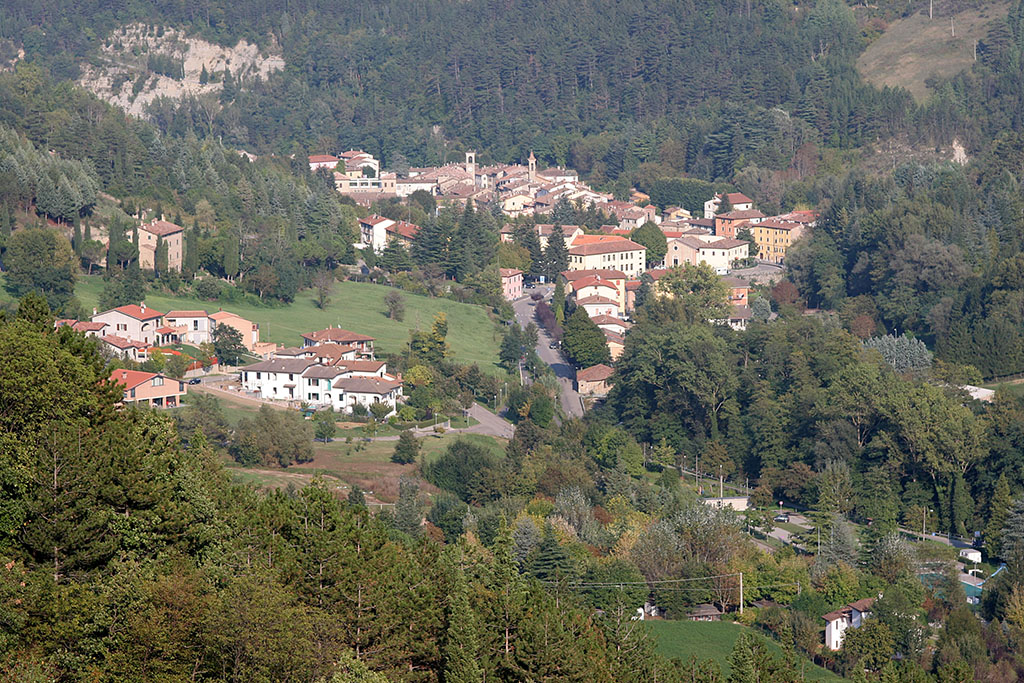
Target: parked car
(782,517)
(553,345)
(195,380)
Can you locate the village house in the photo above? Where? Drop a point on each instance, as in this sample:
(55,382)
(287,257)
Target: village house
(774,237)
(598,305)
(342,390)
(511,283)
(720,254)
(612,324)
(318,161)
(616,343)
(705,612)
(149,388)
(152,235)
(373,232)
(277,378)
(250,331)
(135,323)
(586,283)
(739,291)
(728,224)
(89,329)
(594,252)
(738,201)
(544,232)
(192,327)
(125,348)
(849,616)
(593,381)
(362,342)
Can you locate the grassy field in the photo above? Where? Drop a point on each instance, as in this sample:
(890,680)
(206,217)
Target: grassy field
(714,640)
(355,306)
(916,48)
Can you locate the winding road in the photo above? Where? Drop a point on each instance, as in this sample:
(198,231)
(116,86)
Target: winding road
(572,404)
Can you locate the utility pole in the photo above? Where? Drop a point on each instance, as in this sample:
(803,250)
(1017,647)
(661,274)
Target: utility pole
(741,592)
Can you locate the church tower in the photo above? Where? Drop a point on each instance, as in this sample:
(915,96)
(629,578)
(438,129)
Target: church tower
(533,167)
(471,163)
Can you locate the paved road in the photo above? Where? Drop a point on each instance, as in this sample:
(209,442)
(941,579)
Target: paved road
(572,405)
(490,423)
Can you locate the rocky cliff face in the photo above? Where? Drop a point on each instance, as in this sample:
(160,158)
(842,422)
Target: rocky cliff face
(140,63)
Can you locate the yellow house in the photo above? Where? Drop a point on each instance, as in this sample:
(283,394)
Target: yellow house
(773,237)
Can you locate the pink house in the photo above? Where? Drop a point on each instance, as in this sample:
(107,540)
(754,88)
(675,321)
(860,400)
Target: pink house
(511,283)
(136,323)
(149,388)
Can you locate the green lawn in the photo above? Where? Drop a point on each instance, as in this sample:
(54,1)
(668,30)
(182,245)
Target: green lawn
(355,306)
(714,640)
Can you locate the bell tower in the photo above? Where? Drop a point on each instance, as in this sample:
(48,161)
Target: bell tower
(471,163)
(532,161)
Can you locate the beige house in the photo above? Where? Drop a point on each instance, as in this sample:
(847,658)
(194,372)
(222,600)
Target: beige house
(151,235)
(593,252)
(149,388)
(719,254)
(135,323)
(596,282)
(250,331)
(594,380)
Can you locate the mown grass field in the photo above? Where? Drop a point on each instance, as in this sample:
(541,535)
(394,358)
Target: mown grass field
(355,306)
(714,640)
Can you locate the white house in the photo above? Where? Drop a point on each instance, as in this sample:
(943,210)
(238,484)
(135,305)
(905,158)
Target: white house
(277,378)
(599,305)
(739,201)
(373,232)
(343,386)
(850,616)
(193,327)
(136,323)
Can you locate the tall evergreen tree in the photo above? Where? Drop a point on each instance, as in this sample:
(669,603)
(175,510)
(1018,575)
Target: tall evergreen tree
(460,650)
(998,512)
(583,341)
(556,255)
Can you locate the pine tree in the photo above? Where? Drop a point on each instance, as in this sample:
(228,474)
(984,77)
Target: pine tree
(558,301)
(556,256)
(230,263)
(525,235)
(407,448)
(460,650)
(408,512)
(551,563)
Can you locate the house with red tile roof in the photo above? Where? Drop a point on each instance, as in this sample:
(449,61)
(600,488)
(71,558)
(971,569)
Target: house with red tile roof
(738,201)
(89,329)
(125,348)
(156,233)
(134,322)
(318,161)
(191,327)
(594,380)
(339,336)
(149,388)
(250,331)
(593,252)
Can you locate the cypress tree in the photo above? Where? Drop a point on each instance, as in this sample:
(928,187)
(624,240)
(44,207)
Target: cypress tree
(191,256)
(998,513)
(230,262)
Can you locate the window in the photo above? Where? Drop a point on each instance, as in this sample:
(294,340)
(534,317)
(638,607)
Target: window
(195,324)
(158,381)
(257,375)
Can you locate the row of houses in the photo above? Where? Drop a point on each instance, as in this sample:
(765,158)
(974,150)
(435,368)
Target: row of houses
(132,331)
(333,368)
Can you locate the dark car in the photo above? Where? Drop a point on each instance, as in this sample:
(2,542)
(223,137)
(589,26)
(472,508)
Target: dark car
(553,345)
(782,517)
(195,380)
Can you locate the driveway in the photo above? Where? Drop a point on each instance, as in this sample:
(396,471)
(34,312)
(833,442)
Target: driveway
(490,423)
(571,402)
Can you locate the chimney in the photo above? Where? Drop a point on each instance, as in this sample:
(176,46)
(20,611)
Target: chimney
(94,312)
(143,306)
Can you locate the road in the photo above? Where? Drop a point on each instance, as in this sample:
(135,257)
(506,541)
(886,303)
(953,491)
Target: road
(571,402)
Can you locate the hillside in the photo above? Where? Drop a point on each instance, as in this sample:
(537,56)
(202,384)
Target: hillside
(138,64)
(916,49)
